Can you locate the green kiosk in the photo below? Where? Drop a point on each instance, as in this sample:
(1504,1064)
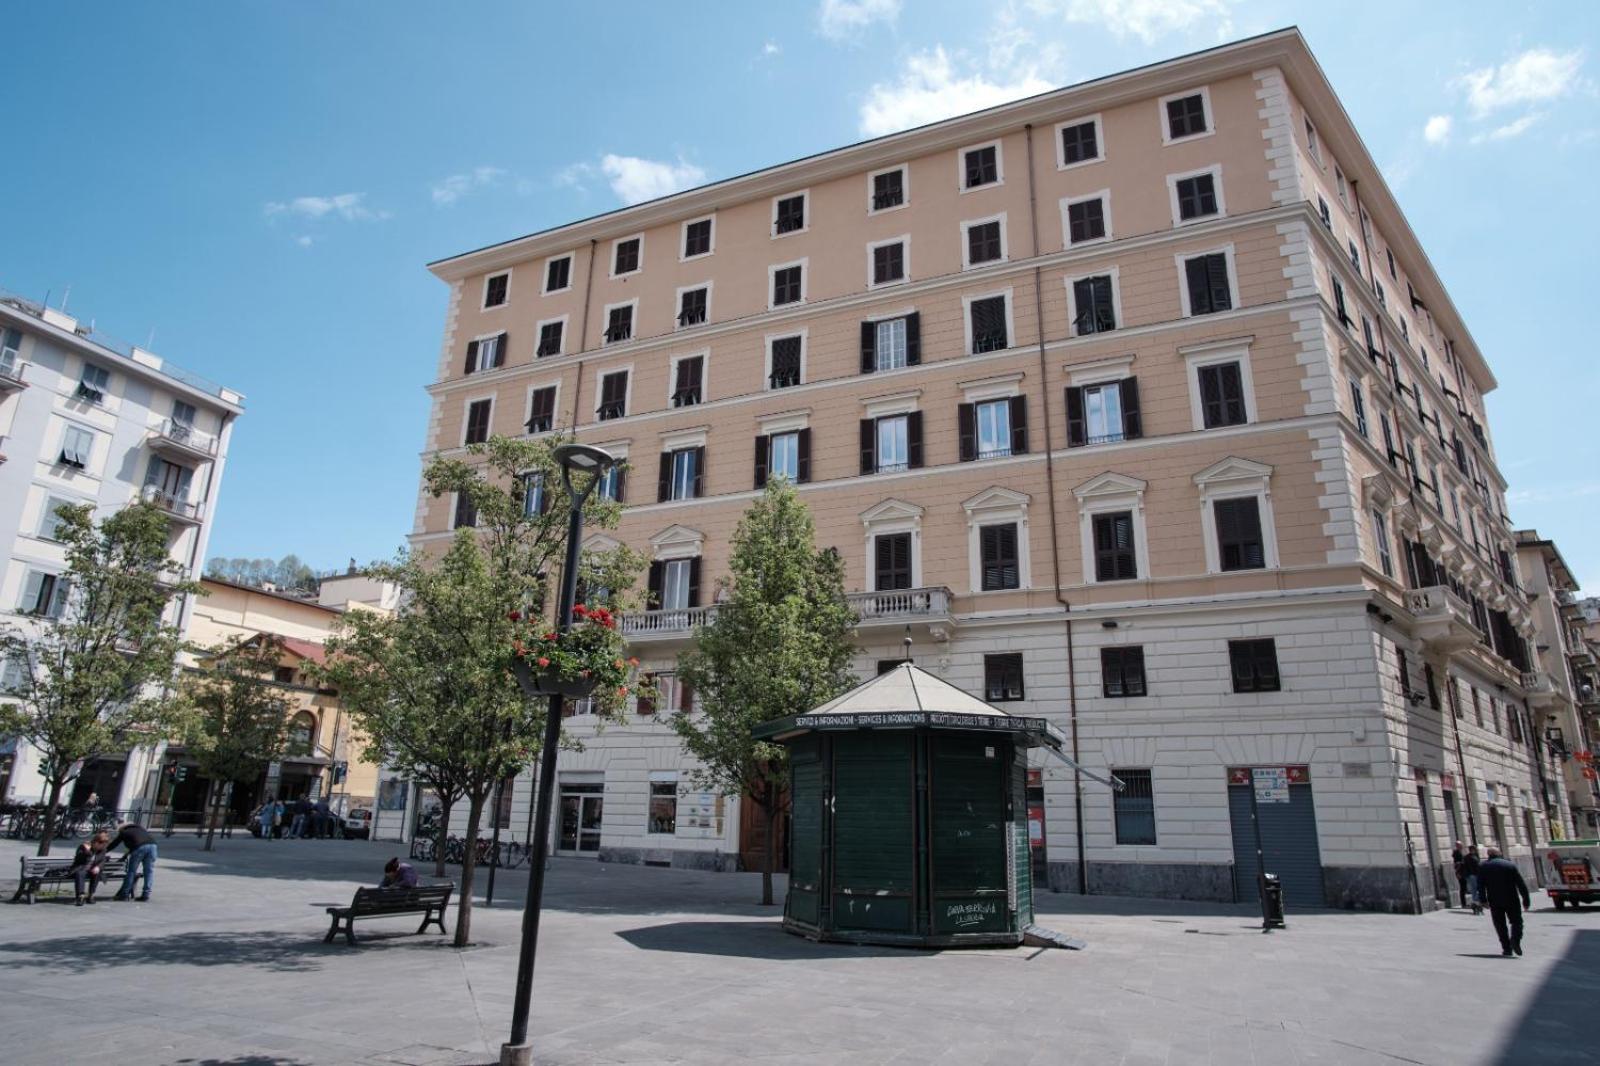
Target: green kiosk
(909,815)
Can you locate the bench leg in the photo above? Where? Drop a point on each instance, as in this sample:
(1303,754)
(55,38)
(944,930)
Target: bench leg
(350,931)
(333,927)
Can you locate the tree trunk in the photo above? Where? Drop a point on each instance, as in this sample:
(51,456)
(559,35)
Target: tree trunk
(469,866)
(50,817)
(213,794)
(442,835)
(770,862)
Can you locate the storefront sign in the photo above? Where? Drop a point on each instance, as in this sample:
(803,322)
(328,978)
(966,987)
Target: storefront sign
(1271,784)
(700,815)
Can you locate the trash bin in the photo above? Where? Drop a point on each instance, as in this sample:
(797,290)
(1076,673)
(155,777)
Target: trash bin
(1272,902)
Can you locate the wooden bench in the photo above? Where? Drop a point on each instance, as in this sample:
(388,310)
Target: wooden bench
(431,901)
(56,869)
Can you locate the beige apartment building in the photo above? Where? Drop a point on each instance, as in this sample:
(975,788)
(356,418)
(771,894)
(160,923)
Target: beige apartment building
(1136,404)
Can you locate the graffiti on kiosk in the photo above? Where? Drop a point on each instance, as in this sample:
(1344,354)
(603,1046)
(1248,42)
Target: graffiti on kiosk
(961,914)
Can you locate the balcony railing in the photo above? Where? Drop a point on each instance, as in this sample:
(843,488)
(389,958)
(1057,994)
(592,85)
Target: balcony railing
(182,510)
(1540,687)
(674,622)
(898,606)
(182,437)
(1443,619)
(11,372)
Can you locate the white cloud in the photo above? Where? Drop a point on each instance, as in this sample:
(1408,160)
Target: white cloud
(1509,130)
(840,19)
(635,180)
(448,190)
(349,206)
(1437,131)
(930,89)
(1534,76)
(1144,19)
(771,48)
(305,240)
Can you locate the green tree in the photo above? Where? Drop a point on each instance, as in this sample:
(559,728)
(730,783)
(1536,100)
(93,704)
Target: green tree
(778,644)
(431,686)
(97,664)
(238,718)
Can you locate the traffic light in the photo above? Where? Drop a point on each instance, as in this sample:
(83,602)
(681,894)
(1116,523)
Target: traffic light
(183,772)
(339,771)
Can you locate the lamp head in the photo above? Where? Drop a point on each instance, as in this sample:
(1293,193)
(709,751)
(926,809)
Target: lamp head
(575,458)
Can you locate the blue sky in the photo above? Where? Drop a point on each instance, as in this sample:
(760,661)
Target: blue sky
(261,185)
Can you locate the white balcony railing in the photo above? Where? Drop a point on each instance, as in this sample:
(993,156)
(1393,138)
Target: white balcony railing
(675,622)
(182,510)
(1443,618)
(1540,687)
(11,372)
(901,605)
(184,437)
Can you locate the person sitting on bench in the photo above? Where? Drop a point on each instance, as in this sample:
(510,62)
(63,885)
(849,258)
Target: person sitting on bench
(86,863)
(397,874)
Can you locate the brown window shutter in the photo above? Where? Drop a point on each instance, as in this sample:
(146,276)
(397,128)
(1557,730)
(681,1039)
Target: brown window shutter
(869,445)
(699,472)
(1077,426)
(913,339)
(1132,422)
(804,448)
(664,481)
(501,343)
(869,347)
(653,600)
(472,356)
(967,424)
(1019,425)
(914,440)
(763,442)
(694,582)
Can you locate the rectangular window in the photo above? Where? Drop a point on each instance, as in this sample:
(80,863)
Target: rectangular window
(688,387)
(550,338)
(783,455)
(989,325)
(1002,677)
(10,345)
(77,446)
(486,353)
(1355,256)
(93,384)
(619,324)
(1402,670)
(1134,807)
(1114,556)
(1086,221)
(1096,310)
(495,290)
(14,675)
(533,495)
(1254,664)
(44,594)
(50,520)
(888,189)
(692,307)
(983,243)
(1338,303)
(787,285)
(1221,395)
(1000,565)
(558,274)
(663,820)
(677,581)
(1122,671)
(697,238)
(1392,275)
(791,214)
(892,561)
(893,444)
(981,166)
(1186,116)
(785,363)
(889,345)
(1197,196)
(466,513)
(542,410)
(478,421)
(612,483)
(993,421)
(613,396)
(1103,413)
(1207,277)
(684,475)
(1079,143)
(1322,209)
(1380,530)
(1239,543)
(1358,407)
(888,263)
(625,258)
(183,413)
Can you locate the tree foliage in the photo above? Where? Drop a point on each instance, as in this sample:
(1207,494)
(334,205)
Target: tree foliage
(431,685)
(778,644)
(94,677)
(286,573)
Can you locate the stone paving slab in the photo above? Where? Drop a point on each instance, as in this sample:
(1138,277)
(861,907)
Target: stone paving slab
(654,966)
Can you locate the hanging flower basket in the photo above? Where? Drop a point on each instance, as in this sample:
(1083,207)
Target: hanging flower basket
(537,682)
(575,662)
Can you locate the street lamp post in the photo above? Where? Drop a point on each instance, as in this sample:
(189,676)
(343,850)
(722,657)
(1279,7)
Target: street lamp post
(580,459)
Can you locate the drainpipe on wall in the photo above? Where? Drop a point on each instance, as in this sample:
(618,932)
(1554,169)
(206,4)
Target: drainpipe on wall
(1461,760)
(1055,540)
(1366,250)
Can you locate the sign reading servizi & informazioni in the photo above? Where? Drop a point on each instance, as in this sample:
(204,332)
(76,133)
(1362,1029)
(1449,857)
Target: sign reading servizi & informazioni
(1008,723)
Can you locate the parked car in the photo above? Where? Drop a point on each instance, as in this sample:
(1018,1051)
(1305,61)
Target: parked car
(358,823)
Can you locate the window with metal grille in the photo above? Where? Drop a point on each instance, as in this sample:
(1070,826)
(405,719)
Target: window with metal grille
(891,561)
(495,290)
(1002,677)
(786,285)
(1096,310)
(791,215)
(478,421)
(549,339)
(1221,395)
(1186,116)
(888,189)
(613,396)
(888,263)
(1207,278)
(626,259)
(997,556)
(1114,556)
(785,362)
(558,274)
(1197,196)
(1134,807)
(1086,221)
(619,324)
(1079,144)
(982,166)
(542,410)
(1239,543)
(1122,671)
(989,325)
(692,307)
(688,387)
(1254,664)
(697,238)
(983,243)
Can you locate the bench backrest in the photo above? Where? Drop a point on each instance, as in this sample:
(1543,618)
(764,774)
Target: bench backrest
(49,865)
(384,900)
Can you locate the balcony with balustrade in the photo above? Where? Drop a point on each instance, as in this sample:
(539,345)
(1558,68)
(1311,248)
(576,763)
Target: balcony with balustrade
(11,372)
(1539,687)
(670,625)
(924,607)
(183,441)
(179,509)
(1441,619)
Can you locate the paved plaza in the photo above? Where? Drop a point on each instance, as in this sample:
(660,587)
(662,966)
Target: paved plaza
(643,965)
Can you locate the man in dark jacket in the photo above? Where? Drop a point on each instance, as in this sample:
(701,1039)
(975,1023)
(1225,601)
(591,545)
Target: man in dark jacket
(1458,855)
(1507,894)
(141,858)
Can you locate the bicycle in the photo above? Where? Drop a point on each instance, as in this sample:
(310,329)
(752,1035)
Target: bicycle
(423,849)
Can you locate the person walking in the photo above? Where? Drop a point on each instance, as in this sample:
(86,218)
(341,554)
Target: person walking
(297,828)
(1502,886)
(1469,866)
(86,863)
(141,859)
(323,814)
(1458,855)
